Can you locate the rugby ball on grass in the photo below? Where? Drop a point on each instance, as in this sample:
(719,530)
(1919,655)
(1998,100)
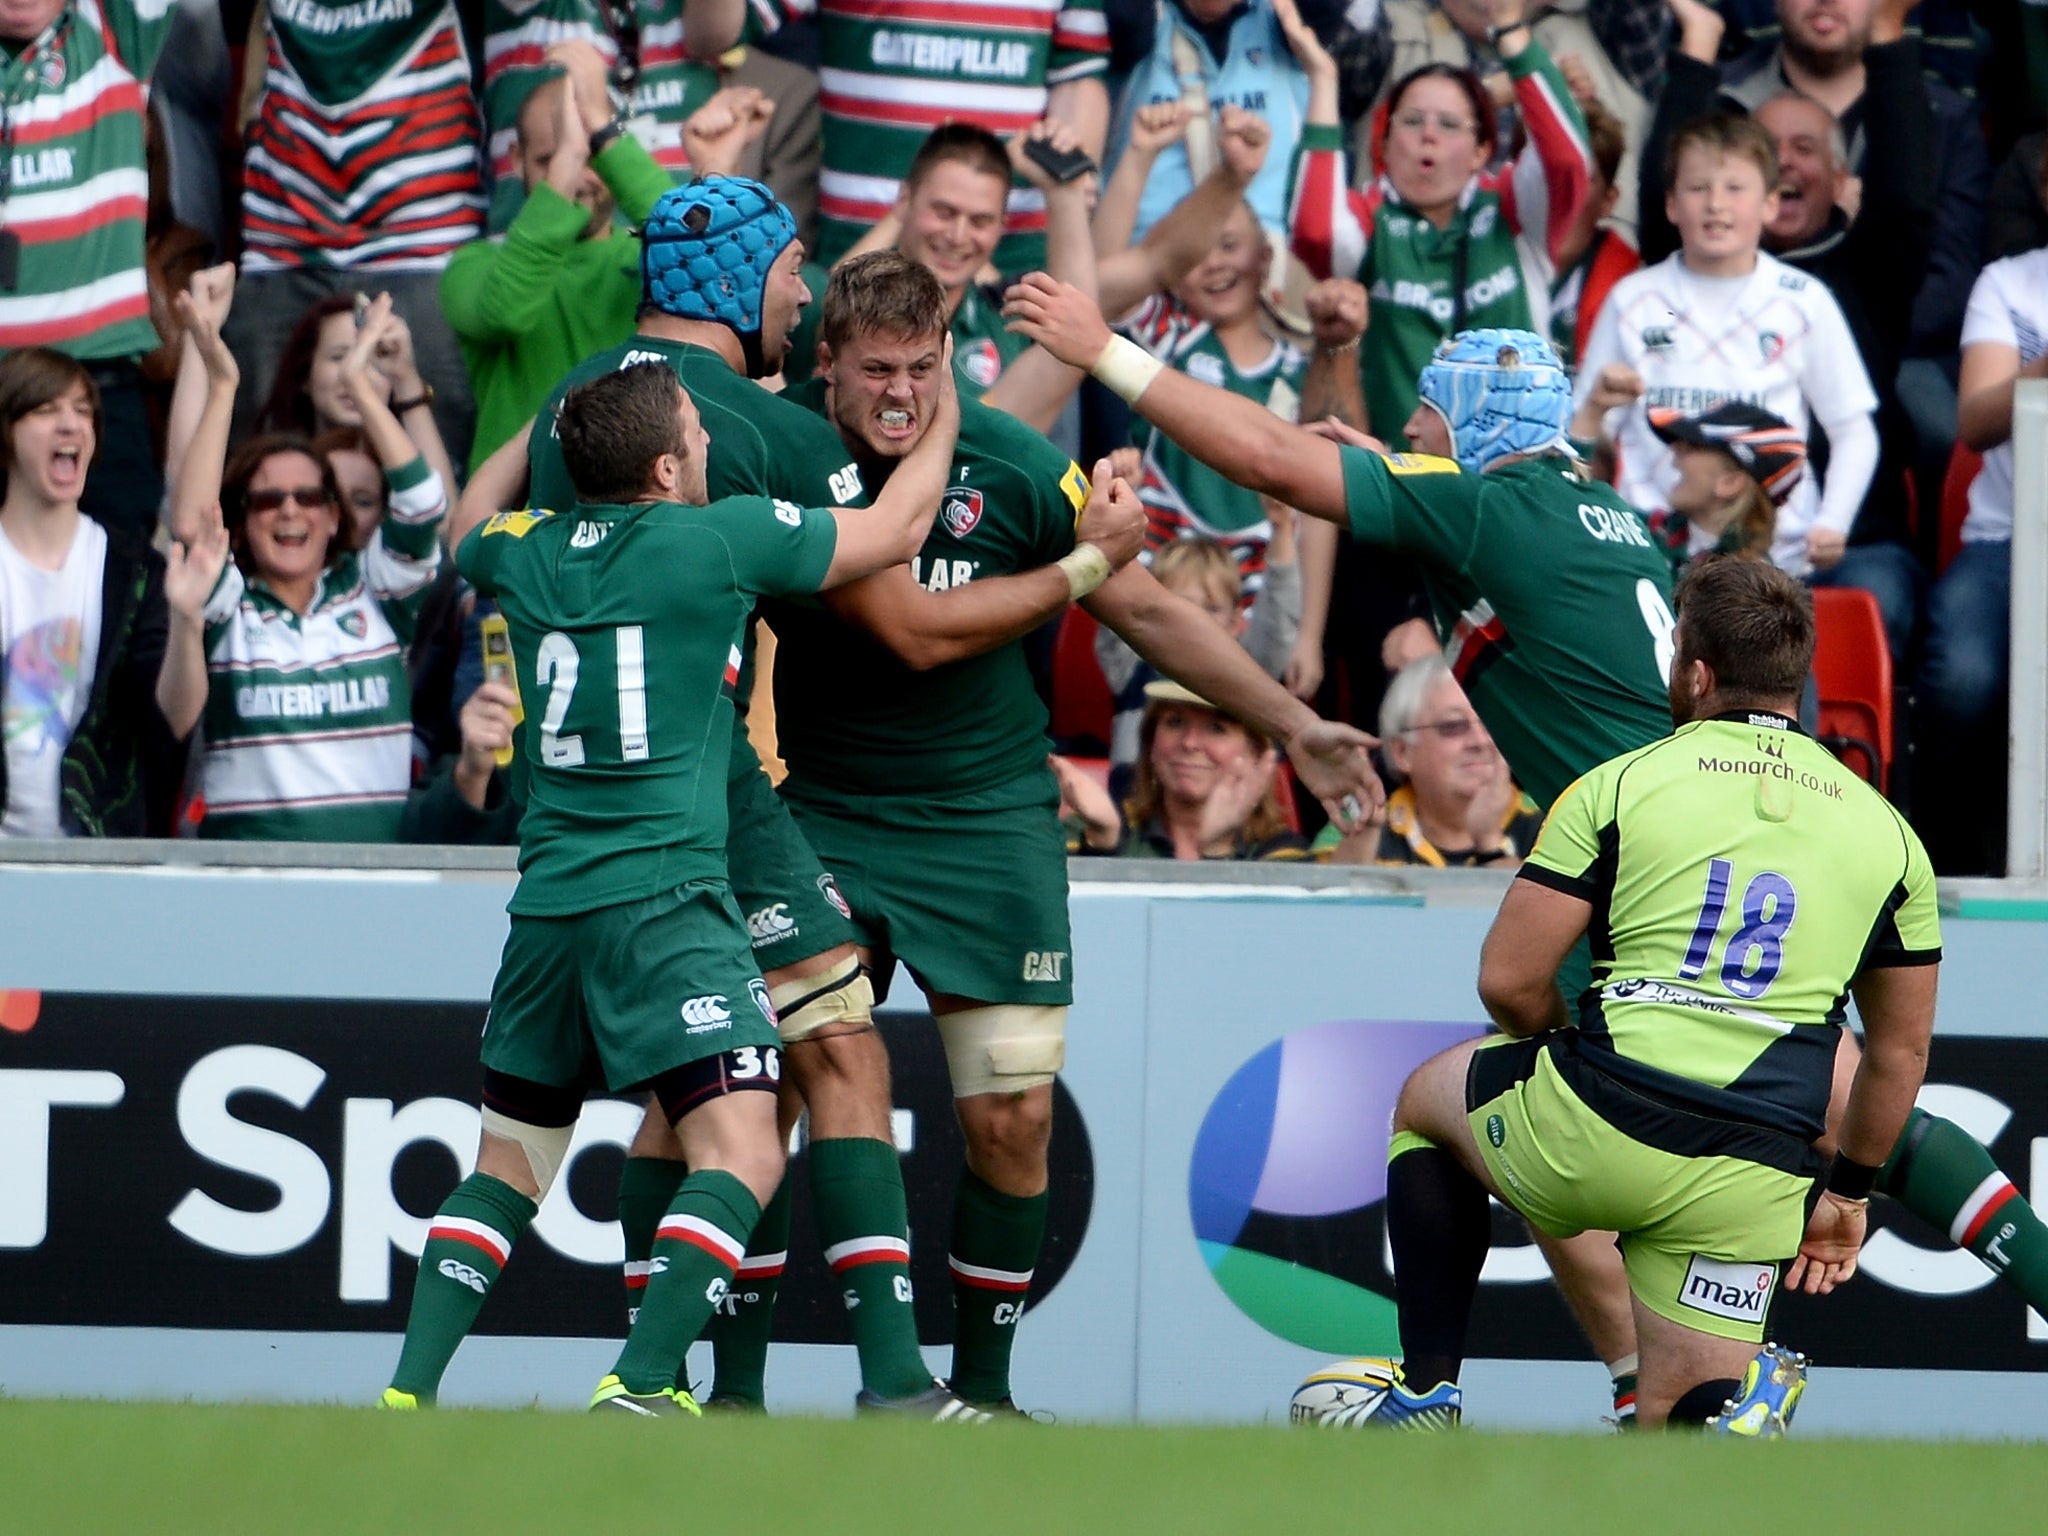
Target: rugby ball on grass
(1344,1394)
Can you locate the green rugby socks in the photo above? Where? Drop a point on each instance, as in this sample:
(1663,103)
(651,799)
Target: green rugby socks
(647,1185)
(1940,1173)
(468,1245)
(697,1249)
(740,1332)
(864,1227)
(996,1238)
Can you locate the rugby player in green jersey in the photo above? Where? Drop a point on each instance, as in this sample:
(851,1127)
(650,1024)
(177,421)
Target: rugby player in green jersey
(722,270)
(628,961)
(1552,602)
(916,746)
(1739,884)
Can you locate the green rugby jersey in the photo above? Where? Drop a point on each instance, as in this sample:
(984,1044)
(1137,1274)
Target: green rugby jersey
(626,626)
(852,719)
(1553,602)
(762,444)
(1740,877)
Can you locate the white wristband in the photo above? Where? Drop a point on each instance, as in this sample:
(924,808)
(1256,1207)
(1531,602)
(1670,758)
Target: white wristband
(1085,568)
(1126,368)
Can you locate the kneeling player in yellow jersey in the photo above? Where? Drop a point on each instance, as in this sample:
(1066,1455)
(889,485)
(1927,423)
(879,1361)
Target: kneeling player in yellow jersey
(1738,884)
(628,961)
(916,747)
(1554,617)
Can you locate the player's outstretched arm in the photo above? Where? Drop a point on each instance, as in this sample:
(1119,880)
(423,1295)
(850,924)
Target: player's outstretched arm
(1532,933)
(1897,1004)
(892,528)
(498,485)
(925,629)
(1238,438)
(1333,761)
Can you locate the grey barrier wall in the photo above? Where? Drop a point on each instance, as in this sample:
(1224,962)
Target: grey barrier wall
(230,1094)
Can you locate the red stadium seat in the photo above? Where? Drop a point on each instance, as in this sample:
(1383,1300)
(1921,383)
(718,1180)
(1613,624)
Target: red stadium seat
(1852,668)
(1284,791)
(1082,706)
(1963,465)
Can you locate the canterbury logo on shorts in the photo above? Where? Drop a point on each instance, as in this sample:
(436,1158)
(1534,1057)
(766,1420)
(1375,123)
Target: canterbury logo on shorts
(1739,1292)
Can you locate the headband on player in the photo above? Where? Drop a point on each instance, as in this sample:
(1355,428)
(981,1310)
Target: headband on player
(1500,392)
(705,253)
(1764,447)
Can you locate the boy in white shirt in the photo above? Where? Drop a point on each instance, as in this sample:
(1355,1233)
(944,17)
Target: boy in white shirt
(1722,320)
(101,668)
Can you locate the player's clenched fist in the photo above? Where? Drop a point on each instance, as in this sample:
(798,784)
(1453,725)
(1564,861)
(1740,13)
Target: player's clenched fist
(1114,519)
(1059,317)
(1337,312)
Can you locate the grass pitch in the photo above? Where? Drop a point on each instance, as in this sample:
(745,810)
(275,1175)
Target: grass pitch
(102,1467)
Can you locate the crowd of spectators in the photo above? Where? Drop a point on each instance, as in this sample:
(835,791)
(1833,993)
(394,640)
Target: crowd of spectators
(277,277)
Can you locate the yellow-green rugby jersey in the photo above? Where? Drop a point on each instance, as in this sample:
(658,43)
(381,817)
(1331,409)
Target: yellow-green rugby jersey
(626,626)
(852,719)
(1553,601)
(1739,877)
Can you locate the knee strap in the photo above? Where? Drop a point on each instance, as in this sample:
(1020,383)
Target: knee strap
(809,1003)
(546,1146)
(1004,1048)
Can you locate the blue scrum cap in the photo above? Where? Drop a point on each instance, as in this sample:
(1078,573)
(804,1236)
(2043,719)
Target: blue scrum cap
(1501,392)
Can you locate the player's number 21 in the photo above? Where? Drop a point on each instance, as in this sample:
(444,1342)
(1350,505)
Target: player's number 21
(556,670)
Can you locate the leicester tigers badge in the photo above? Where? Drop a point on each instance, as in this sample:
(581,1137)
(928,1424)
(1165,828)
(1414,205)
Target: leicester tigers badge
(354,624)
(830,892)
(960,510)
(982,363)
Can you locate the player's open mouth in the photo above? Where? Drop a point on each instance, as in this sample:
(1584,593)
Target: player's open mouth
(896,423)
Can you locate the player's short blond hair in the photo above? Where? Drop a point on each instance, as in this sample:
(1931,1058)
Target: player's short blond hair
(882,293)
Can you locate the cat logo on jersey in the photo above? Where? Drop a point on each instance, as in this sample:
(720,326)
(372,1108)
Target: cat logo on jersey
(518,524)
(1075,484)
(960,511)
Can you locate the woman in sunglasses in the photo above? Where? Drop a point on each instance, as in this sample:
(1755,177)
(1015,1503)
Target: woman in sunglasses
(308,729)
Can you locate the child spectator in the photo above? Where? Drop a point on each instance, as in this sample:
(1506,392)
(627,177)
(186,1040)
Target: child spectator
(1213,327)
(1735,466)
(1203,571)
(1456,804)
(308,714)
(104,676)
(1720,320)
(1204,789)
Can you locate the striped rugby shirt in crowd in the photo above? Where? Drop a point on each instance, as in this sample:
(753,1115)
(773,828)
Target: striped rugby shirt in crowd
(893,70)
(308,727)
(1508,223)
(364,151)
(669,86)
(1183,497)
(79,192)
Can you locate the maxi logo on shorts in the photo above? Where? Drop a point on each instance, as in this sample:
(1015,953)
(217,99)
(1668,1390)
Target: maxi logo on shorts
(701,1015)
(1738,1292)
